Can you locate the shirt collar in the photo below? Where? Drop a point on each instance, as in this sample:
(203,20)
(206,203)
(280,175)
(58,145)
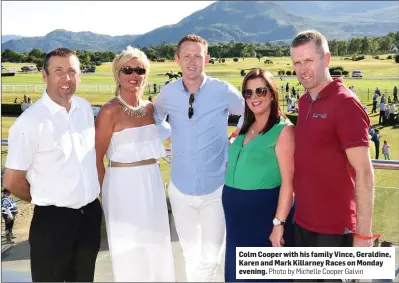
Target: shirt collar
(55,107)
(329,89)
(182,86)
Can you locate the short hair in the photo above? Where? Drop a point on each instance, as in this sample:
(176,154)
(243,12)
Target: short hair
(275,112)
(192,38)
(126,55)
(61,52)
(315,36)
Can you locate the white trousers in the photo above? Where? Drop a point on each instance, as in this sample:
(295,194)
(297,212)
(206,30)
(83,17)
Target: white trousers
(200,226)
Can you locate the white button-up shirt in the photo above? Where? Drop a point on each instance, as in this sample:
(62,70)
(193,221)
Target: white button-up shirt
(56,148)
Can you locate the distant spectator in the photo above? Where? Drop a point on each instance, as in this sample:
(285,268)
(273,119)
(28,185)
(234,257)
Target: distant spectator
(383,98)
(16,100)
(293,92)
(382,113)
(375,101)
(377,91)
(29,100)
(389,100)
(8,210)
(25,99)
(287,87)
(155,88)
(395,94)
(386,148)
(150,98)
(375,138)
(293,102)
(392,111)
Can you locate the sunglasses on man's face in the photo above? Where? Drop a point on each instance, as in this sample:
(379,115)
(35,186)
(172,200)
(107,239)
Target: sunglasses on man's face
(130,70)
(260,92)
(191,109)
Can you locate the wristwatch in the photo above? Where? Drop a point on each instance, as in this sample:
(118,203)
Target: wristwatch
(277,222)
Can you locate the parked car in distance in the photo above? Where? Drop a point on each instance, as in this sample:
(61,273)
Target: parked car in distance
(89,70)
(357,74)
(6,73)
(28,68)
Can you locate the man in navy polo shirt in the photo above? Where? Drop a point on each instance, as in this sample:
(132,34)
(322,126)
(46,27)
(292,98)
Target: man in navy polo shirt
(333,180)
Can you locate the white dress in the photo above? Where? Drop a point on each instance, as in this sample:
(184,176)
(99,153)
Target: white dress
(135,209)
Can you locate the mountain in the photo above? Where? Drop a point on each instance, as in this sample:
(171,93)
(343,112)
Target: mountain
(8,37)
(75,40)
(246,21)
(262,21)
(225,21)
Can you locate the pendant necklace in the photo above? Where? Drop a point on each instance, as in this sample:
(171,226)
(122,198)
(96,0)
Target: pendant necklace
(138,111)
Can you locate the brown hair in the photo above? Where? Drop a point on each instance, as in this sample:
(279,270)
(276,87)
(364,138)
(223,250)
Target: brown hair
(192,38)
(309,36)
(61,52)
(275,112)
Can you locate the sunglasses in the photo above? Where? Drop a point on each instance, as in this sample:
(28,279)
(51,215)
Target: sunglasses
(130,70)
(260,92)
(191,109)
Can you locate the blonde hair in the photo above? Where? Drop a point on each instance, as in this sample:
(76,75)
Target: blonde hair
(126,55)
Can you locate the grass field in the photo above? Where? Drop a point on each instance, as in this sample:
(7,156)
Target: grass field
(377,73)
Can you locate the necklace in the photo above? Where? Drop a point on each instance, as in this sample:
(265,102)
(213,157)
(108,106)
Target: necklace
(138,111)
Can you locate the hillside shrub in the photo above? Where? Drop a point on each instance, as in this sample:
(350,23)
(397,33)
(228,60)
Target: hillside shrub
(397,58)
(243,73)
(337,73)
(294,73)
(281,72)
(222,60)
(389,57)
(288,73)
(345,73)
(235,59)
(346,58)
(377,57)
(339,68)
(268,61)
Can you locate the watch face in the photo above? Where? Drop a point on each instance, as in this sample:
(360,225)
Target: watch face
(276,221)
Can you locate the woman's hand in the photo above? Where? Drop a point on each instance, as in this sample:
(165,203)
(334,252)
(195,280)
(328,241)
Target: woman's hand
(276,237)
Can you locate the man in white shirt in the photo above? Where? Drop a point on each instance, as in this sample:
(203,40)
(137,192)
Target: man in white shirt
(381,119)
(51,162)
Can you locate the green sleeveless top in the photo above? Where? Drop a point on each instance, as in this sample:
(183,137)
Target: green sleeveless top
(254,166)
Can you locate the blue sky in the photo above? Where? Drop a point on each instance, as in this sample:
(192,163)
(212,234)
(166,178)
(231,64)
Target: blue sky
(37,18)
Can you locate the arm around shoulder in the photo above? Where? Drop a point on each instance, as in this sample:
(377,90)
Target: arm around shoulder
(236,100)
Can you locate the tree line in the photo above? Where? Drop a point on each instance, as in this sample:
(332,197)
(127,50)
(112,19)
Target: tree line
(166,51)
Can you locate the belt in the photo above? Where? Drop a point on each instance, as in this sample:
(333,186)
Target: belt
(132,164)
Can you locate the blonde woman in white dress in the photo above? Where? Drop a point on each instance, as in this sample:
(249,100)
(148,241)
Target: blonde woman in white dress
(133,196)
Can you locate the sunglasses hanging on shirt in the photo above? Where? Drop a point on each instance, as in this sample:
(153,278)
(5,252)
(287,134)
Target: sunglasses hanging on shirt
(190,108)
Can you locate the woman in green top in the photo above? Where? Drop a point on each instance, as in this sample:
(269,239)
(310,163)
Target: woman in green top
(258,196)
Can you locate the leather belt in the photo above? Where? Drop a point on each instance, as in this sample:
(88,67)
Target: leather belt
(132,164)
